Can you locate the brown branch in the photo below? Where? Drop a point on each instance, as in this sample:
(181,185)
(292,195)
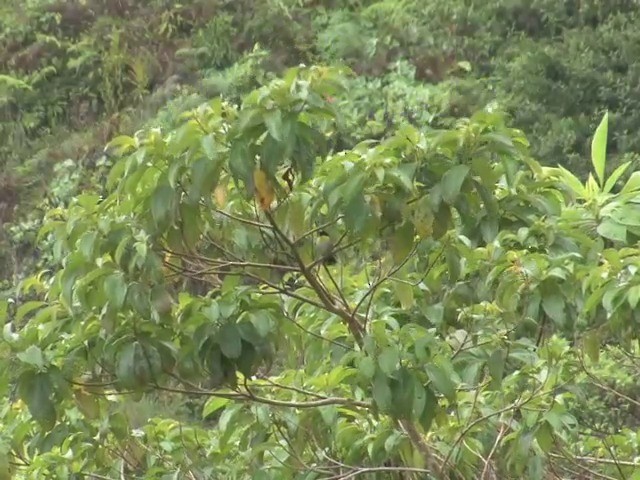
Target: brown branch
(607,388)
(246,221)
(484,418)
(355,471)
(249,396)
(379,282)
(599,461)
(317,229)
(329,303)
(317,335)
(572,460)
(487,460)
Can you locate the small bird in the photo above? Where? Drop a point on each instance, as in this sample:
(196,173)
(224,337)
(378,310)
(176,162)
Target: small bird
(324,248)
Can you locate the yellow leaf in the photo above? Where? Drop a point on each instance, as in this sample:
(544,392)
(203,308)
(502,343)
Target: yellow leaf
(264,190)
(220,194)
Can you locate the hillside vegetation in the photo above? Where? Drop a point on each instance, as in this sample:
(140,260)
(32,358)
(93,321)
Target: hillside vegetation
(176,177)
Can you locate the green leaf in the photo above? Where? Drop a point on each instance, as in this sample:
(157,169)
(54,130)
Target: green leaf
(86,244)
(273,121)
(613,178)
(32,356)
(353,188)
(246,363)
(553,305)
(213,405)
(402,393)
(26,308)
(495,364)
(356,214)
(36,391)
(382,392)
(249,333)
(612,230)
(389,360)
(162,204)
(430,409)
(633,184)
(208,143)
(544,437)
(329,414)
(191,224)
(633,295)
(628,215)
(367,367)
(441,381)
(402,242)
(204,178)
(115,289)
(230,341)
(241,164)
(262,321)
(573,182)
(125,367)
(599,148)
(452,181)
(404,292)
(419,399)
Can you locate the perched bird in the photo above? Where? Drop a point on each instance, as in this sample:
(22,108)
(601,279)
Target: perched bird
(324,248)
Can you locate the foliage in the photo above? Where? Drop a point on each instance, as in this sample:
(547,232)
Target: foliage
(75,66)
(481,320)
(456,337)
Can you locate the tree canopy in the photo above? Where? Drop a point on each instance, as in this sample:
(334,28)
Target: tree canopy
(411,256)
(191,330)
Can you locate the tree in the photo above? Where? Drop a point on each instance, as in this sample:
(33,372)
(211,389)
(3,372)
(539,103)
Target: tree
(192,331)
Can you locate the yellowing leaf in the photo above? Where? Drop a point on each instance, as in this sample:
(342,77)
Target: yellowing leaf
(220,194)
(264,190)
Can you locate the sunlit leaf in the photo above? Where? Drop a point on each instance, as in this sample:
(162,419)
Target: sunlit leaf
(615,176)
(599,148)
(213,405)
(27,308)
(32,356)
(612,230)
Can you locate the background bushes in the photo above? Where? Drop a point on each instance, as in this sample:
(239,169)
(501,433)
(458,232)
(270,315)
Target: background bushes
(73,74)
